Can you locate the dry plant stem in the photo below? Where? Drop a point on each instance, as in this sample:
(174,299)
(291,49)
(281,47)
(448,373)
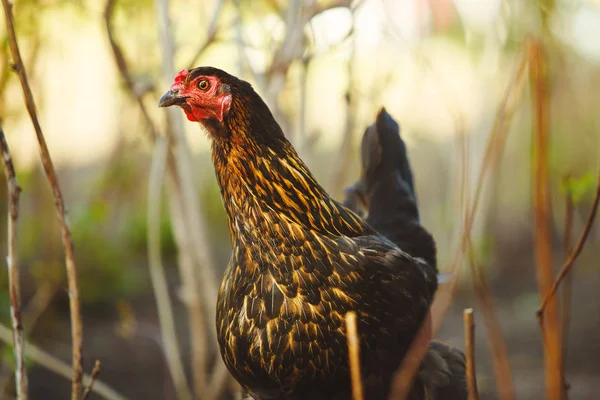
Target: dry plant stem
(59,367)
(354,356)
(74,305)
(470,353)
(574,254)
(157,272)
(496,342)
(90,384)
(542,214)
(14,284)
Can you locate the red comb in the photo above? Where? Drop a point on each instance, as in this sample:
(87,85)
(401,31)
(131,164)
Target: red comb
(181,75)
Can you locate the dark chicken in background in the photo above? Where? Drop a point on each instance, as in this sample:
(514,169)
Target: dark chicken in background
(300,260)
(385,196)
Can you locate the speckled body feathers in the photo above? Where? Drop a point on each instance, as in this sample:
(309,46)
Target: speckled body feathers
(300,261)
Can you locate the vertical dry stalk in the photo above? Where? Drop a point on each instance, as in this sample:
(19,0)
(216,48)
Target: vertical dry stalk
(74,305)
(496,342)
(157,273)
(14,284)
(354,356)
(542,214)
(470,353)
(90,385)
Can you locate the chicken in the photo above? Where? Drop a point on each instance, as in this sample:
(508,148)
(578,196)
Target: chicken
(300,260)
(385,194)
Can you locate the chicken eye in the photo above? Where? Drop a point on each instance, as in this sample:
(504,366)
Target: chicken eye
(203,84)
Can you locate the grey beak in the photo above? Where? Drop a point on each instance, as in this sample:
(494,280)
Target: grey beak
(171,98)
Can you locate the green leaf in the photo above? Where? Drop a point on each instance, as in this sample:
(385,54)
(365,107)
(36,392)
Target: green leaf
(578,188)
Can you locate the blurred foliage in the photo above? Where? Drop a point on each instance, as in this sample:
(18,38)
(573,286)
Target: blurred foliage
(580,188)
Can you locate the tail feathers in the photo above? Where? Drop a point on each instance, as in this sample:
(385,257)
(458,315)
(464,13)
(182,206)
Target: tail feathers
(385,193)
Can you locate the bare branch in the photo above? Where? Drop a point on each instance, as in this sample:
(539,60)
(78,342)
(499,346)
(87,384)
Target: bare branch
(14,283)
(575,253)
(59,367)
(496,342)
(354,356)
(567,287)
(74,305)
(90,385)
(157,273)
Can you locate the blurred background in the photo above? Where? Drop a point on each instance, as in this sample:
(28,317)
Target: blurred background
(442,69)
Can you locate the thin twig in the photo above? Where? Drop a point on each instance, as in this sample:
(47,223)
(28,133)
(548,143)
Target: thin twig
(567,288)
(354,356)
(90,385)
(497,344)
(538,71)
(157,272)
(574,254)
(14,283)
(470,353)
(59,367)
(74,305)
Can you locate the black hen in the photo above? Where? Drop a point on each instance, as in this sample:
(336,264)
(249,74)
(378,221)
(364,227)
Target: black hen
(301,261)
(385,194)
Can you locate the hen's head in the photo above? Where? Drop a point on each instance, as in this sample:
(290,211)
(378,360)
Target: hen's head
(204,93)
(228,107)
